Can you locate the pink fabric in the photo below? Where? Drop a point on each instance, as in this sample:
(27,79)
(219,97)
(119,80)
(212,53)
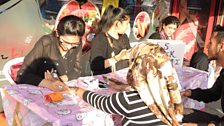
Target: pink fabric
(88,12)
(14,69)
(185,34)
(73,111)
(163,36)
(191,78)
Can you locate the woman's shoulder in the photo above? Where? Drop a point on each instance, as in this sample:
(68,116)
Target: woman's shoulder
(100,38)
(124,40)
(155,35)
(100,35)
(46,40)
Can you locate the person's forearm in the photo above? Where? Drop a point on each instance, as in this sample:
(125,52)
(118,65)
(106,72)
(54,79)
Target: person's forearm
(101,101)
(28,78)
(123,55)
(205,95)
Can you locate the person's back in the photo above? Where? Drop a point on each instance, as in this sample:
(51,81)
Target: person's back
(149,72)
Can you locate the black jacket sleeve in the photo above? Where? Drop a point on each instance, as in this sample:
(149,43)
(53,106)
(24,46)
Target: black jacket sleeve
(28,73)
(155,35)
(98,54)
(97,66)
(212,94)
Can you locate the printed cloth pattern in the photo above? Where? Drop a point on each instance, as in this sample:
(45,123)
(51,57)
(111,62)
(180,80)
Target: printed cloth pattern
(151,73)
(163,36)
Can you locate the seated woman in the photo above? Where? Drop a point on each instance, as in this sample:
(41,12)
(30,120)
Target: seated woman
(59,53)
(167,29)
(150,72)
(109,41)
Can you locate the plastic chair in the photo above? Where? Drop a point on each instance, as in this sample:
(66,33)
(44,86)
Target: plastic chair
(11,67)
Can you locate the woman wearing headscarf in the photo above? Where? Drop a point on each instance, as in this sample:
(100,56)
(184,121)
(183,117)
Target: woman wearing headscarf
(155,98)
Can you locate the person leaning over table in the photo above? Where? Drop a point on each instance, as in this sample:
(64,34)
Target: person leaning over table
(216,92)
(58,53)
(110,39)
(168,27)
(149,70)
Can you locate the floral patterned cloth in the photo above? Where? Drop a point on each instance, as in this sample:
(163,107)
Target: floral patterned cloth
(151,73)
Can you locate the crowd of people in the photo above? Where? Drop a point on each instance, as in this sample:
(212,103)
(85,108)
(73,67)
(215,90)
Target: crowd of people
(57,58)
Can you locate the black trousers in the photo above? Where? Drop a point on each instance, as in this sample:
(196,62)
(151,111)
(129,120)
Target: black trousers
(203,118)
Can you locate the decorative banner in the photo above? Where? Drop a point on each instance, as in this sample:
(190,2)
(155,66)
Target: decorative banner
(106,3)
(141,25)
(174,48)
(193,26)
(153,10)
(160,11)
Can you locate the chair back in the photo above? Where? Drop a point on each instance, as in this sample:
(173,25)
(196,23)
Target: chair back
(11,67)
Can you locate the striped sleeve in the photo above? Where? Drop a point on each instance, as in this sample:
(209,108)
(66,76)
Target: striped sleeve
(107,104)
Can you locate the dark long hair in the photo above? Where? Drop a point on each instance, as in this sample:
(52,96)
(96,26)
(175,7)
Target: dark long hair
(110,15)
(71,25)
(171,20)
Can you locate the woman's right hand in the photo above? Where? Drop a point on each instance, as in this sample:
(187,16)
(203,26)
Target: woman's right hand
(52,83)
(55,85)
(124,54)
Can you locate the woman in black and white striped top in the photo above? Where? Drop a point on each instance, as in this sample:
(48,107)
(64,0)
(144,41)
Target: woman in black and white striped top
(128,104)
(155,99)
